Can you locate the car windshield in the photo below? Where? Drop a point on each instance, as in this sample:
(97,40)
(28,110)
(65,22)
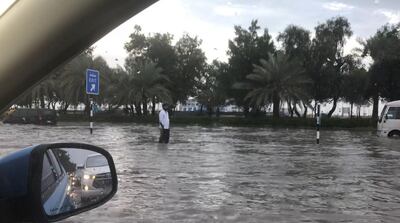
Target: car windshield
(213,110)
(96,161)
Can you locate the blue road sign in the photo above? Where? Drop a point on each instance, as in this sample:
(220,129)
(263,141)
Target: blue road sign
(92,82)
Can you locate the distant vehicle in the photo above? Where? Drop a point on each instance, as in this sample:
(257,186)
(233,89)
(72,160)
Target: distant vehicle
(31,116)
(96,180)
(389,122)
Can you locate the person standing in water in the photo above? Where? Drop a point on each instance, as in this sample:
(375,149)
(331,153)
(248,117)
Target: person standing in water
(164,124)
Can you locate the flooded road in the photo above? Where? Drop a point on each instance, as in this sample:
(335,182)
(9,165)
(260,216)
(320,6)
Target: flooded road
(227,174)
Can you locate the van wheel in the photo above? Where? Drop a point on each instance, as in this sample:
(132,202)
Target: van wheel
(394,133)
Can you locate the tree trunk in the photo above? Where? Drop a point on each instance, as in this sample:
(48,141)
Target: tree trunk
(209,110)
(290,109)
(375,107)
(145,110)
(296,111)
(305,110)
(246,110)
(65,107)
(132,110)
(275,102)
(138,109)
(153,107)
(42,103)
(126,109)
(351,110)
(217,113)
(335,100)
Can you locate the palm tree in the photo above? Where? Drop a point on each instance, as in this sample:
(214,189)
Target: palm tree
(121,92)
(135,88)
(278,79)
(148,84)
(44,91)
(73,80)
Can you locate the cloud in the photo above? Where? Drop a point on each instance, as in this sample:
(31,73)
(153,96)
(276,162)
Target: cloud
(337,6)
(392,16)
(247,10)
(227,10)
(213,21)
(158,18)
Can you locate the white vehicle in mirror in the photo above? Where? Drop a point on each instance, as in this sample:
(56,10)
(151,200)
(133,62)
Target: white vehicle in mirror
(96,177)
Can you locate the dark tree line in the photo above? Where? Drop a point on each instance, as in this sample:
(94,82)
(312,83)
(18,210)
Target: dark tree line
(303,71)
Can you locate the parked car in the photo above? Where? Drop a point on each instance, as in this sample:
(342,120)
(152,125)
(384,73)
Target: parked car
(31,116)
(389,122)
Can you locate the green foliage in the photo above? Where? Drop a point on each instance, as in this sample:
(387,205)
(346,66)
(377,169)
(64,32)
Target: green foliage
(184,64)
(327,62)
(211,91)
(276,80)
(384,48)
(190,67)
(246,49)
(303,70)
(65,159)
(296,42)
(355,87)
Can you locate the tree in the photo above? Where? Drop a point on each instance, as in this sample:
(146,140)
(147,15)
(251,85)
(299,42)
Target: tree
(278,79)
(296,43)
(355,87)
(44,91)
(121,92)
(138,44)
(191,63)
(65,160)
(146,83)
(246,49)
(73,79)
(211,92)
(384,48)
(327,61)
(183,63)
(157,48)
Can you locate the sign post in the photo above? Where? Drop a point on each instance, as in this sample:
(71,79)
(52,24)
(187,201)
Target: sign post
(92,88)
(318,116)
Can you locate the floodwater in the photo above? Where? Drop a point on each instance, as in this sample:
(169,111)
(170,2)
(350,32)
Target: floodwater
(227,174)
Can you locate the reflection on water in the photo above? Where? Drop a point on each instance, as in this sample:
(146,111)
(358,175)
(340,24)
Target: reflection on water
(236,174)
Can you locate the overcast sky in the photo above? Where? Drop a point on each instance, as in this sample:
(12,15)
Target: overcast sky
(213,21)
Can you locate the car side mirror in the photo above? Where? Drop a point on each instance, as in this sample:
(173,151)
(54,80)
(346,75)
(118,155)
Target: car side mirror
(55,181)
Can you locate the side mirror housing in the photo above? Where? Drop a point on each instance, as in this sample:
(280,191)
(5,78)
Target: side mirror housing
(49,182)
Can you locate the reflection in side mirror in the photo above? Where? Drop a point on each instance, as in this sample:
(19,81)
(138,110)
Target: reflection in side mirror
(51,182)
(74,179)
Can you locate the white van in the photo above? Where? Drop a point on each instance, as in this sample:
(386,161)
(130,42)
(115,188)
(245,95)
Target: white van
(389,122)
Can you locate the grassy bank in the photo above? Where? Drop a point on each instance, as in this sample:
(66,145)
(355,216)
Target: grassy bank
(229,121)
